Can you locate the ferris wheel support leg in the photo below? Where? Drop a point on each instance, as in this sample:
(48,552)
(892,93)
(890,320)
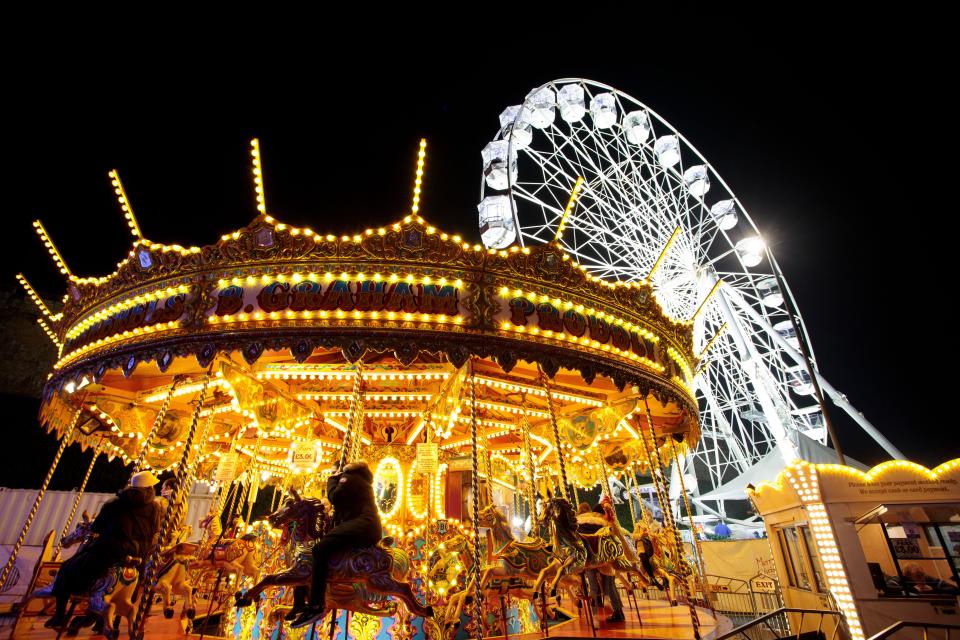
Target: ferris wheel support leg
(838,398)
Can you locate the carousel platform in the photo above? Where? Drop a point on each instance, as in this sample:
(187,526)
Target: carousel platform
(659,620)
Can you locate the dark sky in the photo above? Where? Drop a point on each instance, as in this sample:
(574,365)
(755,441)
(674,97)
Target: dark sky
(838,141)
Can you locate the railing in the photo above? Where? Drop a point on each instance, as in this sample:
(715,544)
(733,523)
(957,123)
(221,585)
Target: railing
(775,625)
(739,600)
(926,627)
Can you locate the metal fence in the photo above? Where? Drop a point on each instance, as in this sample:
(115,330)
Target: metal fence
(746,600)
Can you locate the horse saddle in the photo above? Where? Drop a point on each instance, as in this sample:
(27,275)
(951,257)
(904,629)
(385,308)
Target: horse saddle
(530,545)
(362,561)
(592,542)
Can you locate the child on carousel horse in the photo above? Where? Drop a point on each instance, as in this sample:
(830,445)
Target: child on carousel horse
(126,527)
(356,524)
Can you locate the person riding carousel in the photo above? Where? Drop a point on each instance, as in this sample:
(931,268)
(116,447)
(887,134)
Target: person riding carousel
(126,527)
(356,524)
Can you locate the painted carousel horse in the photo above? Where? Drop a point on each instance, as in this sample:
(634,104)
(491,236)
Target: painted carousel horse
(173,578)
(516,568)
(358,580)
(112,596)
(529,561)
(661,549)
(603,551)
(241,556)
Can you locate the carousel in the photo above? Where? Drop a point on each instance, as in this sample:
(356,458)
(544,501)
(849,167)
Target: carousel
(488,390)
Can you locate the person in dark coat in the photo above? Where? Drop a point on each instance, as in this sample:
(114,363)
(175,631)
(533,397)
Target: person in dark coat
(356,524)
(127,525)
(591,522)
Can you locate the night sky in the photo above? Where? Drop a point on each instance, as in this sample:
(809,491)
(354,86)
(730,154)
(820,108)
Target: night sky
(839,146)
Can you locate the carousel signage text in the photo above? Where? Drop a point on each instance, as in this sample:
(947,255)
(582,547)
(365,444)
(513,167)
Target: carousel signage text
(546,316)
(136,317)
(340,295)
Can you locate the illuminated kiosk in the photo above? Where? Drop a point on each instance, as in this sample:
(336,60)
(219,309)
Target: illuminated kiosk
(466,377)
(881,545)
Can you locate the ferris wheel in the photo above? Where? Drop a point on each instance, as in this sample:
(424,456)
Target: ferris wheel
(646,197)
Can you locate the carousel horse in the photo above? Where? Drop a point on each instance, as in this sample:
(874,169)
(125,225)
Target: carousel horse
(241,556)
(576,552)
(516,568)
(662,559)
(358,580)
(112,595)
(666,571)
(173,578)
(529,561)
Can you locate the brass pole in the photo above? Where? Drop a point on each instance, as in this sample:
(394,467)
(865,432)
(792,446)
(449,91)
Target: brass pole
(171,518)
(556,435)
(161,414)
(701,578)
(659,477)
(76,501)
(477,594)
(345,450)
(12,560)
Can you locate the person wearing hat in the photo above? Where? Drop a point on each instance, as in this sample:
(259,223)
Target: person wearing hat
(127,525)
(356,524)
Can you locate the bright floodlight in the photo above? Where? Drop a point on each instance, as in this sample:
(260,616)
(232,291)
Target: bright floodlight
(667,150)
(770,292)
(697,180)
(516,128)
(724,213)
(637,126)
(571,102)
(497,230)
(603,110)
(750,251)
(541,108)
(495,164)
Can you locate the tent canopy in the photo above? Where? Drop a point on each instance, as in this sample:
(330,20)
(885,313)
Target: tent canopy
(767,468)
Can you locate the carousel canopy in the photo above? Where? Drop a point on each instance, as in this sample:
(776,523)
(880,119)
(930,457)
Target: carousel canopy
(277,338)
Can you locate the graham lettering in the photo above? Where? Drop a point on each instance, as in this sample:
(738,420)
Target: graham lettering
(338,297)
(230,301)
(306,296)
(274,297)
(401,298)
(520,308)
(370,295)
(437,299)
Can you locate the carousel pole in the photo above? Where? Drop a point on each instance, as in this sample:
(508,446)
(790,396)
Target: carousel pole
(644,514)
(531,470)
(477,593)
(659,477)
(254,478)
(696,539)
(556,434)
(161,414)
(76,501)
(633,513)
(171,519)
(345,451)
(12,560)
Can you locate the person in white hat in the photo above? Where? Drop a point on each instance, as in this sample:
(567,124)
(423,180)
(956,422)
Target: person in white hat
(127,525)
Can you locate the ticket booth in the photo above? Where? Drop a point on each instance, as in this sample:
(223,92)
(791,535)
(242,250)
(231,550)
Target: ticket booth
(880,546)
